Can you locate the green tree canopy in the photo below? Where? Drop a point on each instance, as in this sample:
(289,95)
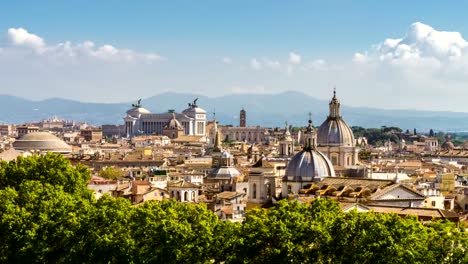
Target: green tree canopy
(111,173)
(49,218)
(53,169)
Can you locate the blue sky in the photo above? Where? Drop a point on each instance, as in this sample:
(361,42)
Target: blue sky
(314,27)
(222,47)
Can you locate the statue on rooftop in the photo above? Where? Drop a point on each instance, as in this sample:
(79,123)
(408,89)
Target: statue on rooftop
(138,104)
(194,104)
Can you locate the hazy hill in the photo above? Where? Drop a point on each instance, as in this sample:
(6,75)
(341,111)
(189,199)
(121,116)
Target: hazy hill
(262,109)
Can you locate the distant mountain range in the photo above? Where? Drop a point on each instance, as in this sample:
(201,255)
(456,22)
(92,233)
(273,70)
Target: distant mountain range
(270,110)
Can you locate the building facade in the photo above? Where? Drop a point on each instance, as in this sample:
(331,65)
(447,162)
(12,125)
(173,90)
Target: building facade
(251,135)
(140,121)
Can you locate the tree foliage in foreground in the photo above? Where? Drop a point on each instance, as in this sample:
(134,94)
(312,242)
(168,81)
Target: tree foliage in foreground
(48,216)
(111,173)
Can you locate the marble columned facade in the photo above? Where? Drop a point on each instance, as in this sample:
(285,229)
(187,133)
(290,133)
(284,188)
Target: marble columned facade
(140,121)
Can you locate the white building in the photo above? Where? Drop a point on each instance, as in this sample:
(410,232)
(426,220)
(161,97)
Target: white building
(183,191)
(140,121)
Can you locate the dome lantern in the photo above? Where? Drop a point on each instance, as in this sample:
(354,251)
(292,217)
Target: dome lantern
(334,106)
(334,131)
(310,137)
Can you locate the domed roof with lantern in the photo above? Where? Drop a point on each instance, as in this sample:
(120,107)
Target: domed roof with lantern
(334,131)
(309,164)
(174,124)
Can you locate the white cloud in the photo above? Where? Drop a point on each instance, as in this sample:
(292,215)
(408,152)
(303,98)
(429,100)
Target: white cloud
(286,67)
(425,68)
(226,60)
(20,40)
(272,64)
(257,89)
(422,64)
(360,58)
(318,64)
(255,64)
(420,42)
(20,37)
(294,58)
(438,55)
(37,69)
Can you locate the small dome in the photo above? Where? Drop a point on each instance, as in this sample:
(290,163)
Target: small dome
(174,124)
(224,173)
(448,145)
(308,165)
(225,155)
(41,141)
(335,132)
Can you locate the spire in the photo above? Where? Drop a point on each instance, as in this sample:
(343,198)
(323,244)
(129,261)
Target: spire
(310,140)
(215,125)
(286,130)
(334,106)
(217,141)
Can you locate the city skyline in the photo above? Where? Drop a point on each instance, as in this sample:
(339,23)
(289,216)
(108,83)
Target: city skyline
(415,59)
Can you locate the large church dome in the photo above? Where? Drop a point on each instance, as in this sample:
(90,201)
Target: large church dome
(43,142)
(334,131)
(309,164)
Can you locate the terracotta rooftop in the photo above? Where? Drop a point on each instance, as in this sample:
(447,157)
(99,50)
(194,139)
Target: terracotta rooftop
(182,184)
(387,189)
(229,195)
(426,212)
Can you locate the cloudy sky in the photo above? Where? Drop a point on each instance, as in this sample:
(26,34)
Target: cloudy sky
(396,55)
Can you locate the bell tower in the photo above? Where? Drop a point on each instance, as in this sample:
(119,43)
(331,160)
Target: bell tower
(286,145)
(242,119)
